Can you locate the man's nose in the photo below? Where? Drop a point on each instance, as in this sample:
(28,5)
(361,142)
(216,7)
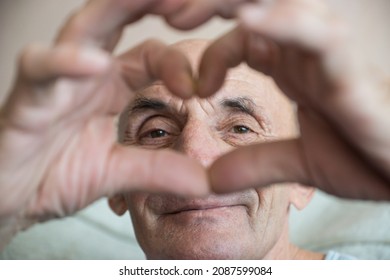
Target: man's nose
(198,141)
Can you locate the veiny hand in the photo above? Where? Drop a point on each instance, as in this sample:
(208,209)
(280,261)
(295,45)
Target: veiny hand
(343,112)
(58,148)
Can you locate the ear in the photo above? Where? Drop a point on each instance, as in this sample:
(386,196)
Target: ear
(118,204)
(300,196)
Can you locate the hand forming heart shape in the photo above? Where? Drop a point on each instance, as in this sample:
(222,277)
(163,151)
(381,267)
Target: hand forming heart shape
(57,130)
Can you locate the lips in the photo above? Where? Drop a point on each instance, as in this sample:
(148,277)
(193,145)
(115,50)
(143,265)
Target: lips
(199,206)
(170,204)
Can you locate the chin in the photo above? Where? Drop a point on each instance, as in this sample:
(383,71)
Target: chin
(200,249)
(217,234)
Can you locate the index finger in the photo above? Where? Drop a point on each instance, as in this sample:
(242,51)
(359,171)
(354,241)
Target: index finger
(100,22)
(226,52)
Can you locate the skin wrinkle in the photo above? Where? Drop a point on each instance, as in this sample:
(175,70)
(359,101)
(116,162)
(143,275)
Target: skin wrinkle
(263,119)
(141,105)
(182,108)
(257,209)
(252,112)
(204,104)
(268,218)
(214,106)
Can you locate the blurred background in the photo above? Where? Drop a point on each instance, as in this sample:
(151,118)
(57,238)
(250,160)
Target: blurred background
(360,229)
(26,21)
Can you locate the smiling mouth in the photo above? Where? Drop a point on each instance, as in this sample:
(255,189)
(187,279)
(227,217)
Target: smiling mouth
(202,209)
(213,205)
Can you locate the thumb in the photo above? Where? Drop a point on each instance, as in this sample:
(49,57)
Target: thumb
(333,169)
(260,165)
(154,171)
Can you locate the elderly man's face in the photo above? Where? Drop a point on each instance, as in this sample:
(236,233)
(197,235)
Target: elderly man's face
(248,224)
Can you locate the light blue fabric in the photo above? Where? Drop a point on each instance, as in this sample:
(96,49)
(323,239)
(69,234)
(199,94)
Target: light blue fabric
(333,255)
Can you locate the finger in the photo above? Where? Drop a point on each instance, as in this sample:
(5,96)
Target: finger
(298,74)
(293,24)
(230,50)
(260,165)
(193,13)
(100,22)
(153,60)
(267,33)
(321,158)
(137,169)
(39,63)
(262,54)
(335,165)
(226,52)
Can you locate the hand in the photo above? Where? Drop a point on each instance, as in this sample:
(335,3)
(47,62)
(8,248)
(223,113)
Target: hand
(58,149)
(343,112)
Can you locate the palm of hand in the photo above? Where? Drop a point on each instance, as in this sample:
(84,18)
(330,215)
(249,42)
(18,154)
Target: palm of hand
(73,121)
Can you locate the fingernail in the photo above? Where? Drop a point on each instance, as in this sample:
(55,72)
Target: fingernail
(97,59)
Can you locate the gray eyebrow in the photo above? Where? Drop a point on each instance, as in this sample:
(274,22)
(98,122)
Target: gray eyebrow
(142,103)
(139,105)
(241,104)
(247,106)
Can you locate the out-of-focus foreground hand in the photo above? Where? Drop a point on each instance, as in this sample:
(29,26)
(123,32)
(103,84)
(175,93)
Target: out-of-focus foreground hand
(343,110)
(58,148)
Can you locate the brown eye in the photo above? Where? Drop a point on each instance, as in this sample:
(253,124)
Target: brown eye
(158,133)
(241,129)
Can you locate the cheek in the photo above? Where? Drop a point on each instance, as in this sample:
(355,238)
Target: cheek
(135,199)
(282,112)
(136,205)
(272,211)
